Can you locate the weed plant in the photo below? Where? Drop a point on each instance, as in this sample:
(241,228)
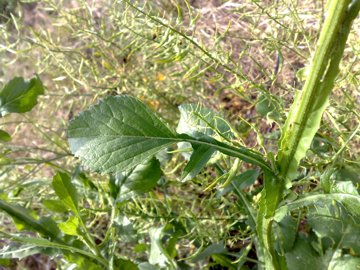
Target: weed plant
(221,199)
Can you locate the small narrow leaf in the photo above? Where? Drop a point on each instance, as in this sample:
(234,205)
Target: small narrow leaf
(266,107)
(19,96)
(124,264)
(240,182)
(347,173)
(50,225)
(21,215)
(140,179)
(246,204)
(216,248)
(18,251)
(66,191)
(44,243)
(245,179)
(224,261)
(201,155)
(54,205)
(4,136)
(70,226)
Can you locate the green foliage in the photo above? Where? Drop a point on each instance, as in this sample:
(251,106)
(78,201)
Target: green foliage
(141,179)
(20,96)
(118,134)
(121,132)
(4,136)
(19,251)
(306,112)
(17,96)
(158,254)
(25,220)
(199,158)
(215,193)
(66,191)
(270,198)
(70,226)
(196,121)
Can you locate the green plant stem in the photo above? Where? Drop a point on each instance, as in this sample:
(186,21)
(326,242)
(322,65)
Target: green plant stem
(89,239)
(305,116)
(111,235)
(306,111)
(232,173)
(242,153)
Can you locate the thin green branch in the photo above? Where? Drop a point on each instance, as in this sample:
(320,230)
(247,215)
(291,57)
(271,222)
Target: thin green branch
(192,41)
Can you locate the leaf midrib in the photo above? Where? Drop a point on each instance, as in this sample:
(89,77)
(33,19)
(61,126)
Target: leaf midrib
(229,149)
